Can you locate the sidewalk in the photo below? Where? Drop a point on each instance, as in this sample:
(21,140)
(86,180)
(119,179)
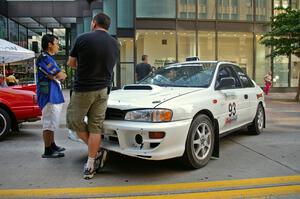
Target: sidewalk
(289,97)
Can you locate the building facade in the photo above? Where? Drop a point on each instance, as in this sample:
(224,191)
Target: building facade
(167,31)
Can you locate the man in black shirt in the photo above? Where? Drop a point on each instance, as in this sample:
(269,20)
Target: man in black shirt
(142,69)
(94,56)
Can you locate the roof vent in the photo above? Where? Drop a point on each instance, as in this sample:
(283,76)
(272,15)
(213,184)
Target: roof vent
(192,59)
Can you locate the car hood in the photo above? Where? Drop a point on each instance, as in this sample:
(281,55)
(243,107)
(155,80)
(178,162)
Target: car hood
(145,96)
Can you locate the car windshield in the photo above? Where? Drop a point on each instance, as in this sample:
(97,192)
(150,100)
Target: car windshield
(183,75)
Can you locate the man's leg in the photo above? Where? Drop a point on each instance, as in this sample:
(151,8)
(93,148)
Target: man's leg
(93,144)
(56,113)
(84,136)
(78,108)
(48,137)
(48,133)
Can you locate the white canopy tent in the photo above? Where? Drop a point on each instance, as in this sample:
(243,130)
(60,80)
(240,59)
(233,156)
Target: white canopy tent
(10,52)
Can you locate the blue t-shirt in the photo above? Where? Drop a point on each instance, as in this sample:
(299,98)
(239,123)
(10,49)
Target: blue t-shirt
(47,65)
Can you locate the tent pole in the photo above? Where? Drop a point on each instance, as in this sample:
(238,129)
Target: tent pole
(4,69)
(34,71)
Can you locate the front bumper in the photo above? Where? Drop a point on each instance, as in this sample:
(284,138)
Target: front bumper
(120,136)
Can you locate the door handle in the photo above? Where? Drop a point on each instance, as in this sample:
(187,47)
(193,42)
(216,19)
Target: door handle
(246,96)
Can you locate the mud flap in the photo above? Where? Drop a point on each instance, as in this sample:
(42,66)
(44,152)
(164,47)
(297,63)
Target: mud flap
(216,151)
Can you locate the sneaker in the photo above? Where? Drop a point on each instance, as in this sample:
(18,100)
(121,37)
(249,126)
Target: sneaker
(54,154)
(88,173)
(100,159)
(58,148)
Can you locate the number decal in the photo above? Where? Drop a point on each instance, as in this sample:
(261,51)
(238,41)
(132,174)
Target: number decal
(232,109)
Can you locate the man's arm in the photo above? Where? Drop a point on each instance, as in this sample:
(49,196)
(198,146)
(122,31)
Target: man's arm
(72,62)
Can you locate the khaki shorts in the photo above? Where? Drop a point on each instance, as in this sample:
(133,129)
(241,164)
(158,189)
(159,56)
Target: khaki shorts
(92,104)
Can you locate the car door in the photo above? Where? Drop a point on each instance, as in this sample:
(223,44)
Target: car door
(230,100)
(250,91)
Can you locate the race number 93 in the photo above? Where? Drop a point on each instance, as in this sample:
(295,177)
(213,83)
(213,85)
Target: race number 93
(232,109)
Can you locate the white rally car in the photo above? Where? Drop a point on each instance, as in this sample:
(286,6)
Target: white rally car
(181,111)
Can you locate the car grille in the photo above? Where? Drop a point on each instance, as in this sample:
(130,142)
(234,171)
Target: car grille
(114,114)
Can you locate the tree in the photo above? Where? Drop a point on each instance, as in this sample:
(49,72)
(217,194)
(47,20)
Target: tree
(284,36)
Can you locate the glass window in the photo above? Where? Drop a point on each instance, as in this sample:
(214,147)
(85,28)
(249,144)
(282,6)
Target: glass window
(186,75)
(246,81)
(22,36)
(235,10)
(187,9)
(13,31)
(295,71)
(283,3)
(156,8)
(61,34)
(126,61)
(226,71)
(263,63)
(125,13)
(280,3)
(159,45)
(206,9)
(295,4)
(206,45)
(263,10)
(109,7)
(127,73)
(126,49)
(237,47)
(3,27)
(281,71)
(186,44)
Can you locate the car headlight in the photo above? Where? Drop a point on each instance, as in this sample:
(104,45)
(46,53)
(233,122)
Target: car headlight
(150,115)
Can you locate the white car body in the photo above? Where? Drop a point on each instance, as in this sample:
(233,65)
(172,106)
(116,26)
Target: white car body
(185,103)
(182,115)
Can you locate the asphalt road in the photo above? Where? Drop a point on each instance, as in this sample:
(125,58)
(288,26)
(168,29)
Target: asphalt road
(274,153)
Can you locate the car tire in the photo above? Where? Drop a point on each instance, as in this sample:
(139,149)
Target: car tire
(199,143)
(258,123)
(5,123)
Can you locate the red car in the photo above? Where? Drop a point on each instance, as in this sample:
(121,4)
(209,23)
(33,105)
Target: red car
(17,106)
(28,87)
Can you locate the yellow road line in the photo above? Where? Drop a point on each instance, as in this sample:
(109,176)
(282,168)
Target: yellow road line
(243,193)
(158,188)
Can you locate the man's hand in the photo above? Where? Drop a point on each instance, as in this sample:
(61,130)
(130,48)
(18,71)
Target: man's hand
(61,76)
(72,62)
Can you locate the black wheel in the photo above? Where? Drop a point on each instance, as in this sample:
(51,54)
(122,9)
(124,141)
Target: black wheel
(5,123)
(200,142)
(258,123)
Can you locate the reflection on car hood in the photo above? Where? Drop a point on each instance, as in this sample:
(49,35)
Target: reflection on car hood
(145,98)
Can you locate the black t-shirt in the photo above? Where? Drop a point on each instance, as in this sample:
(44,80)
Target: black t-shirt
(142,70)
(96,53)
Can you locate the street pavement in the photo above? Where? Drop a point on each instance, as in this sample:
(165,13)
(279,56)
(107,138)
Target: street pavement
(274,153)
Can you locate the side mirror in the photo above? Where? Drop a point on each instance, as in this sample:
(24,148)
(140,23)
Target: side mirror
(226,83)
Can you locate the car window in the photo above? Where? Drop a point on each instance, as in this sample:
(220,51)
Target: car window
(182,75)
(226,71)
(246,81)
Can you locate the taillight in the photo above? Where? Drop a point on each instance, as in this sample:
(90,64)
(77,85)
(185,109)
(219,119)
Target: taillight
(34,98)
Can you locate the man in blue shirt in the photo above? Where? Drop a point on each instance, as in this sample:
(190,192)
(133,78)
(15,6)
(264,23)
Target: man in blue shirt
(49,94)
